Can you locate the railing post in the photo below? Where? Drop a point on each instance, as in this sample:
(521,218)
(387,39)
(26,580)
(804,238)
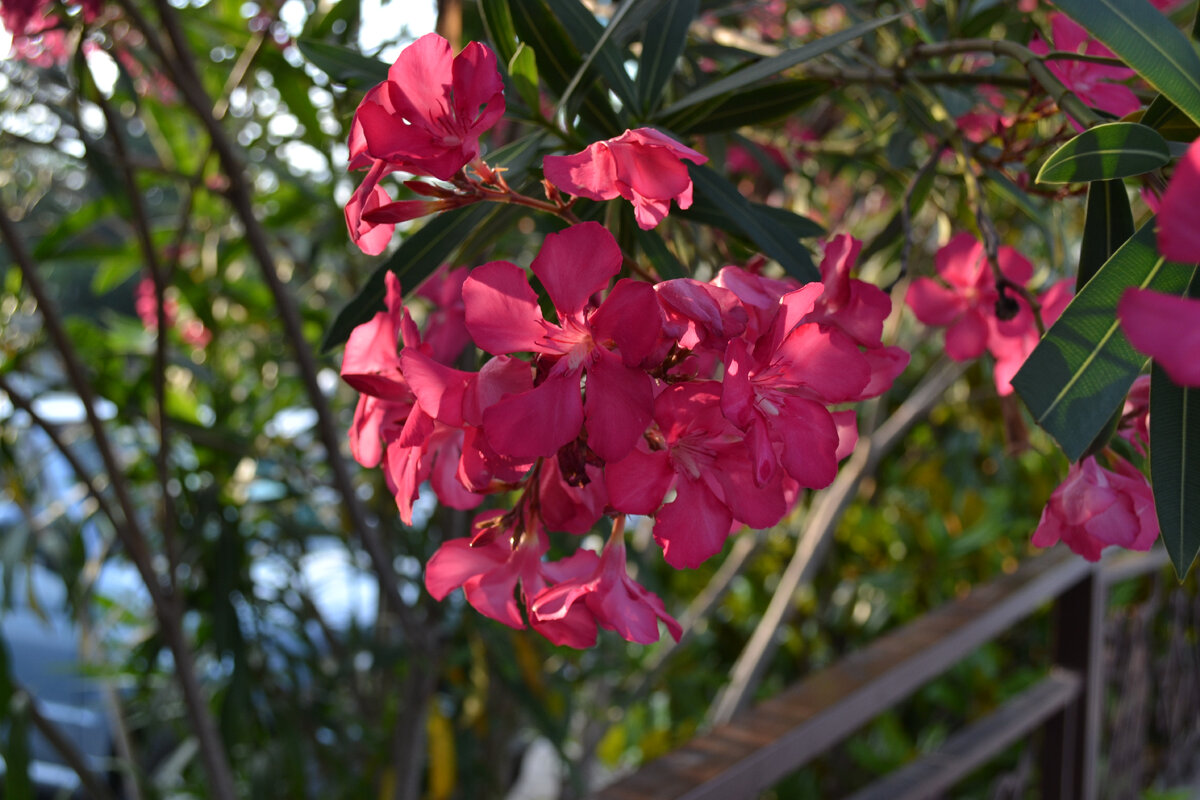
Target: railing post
(1071,744)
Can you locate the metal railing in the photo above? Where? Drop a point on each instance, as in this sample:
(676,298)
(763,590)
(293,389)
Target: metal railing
(765,744)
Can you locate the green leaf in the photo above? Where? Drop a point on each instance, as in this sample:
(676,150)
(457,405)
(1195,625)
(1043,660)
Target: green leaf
(1105,152)
(1175,462)
(498,22)
(1082,369)
(718,202)
(665,263)
(416,259)
(756,106)
(666,35)
(523,71)
(603,54)
(637,13)
(1108,224)
(768,67)
(559,60)
(1171,123)
(1148,42)
(342,64)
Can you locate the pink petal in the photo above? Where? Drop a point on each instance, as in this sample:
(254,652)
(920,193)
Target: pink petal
(493,595)
(631,318)
(424,74)
(619,405)
(1179,218)
(456,561)
(502,313)
(574,264)
(1166,328)
(967,338)
(637,483)
(825,361)
(478,92)
(810,442)
(538,422)
(692,527)
(591,173)
(932,303)
(439,389)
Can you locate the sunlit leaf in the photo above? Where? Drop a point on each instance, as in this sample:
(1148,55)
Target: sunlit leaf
(1106,152)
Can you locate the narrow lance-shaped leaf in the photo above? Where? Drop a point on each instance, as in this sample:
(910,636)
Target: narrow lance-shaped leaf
(523,71)
(594,42)
(1148,42)
(1106,152)
(498,22)
(664,261)
(343,65)
(1082,369)
(1175,462)
(756,106)
(736,212)
(775,64)
(666,35)
(1108,224)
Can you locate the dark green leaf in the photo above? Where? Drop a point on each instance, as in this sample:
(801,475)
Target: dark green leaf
(602,54)
(756,106)
(523,71)
(724,206)
(342,64)
(1175,462)
(798,226)
(1148,42)
(768,67)
(1171,123)
(666,34)
(665,263)
(498,22)
(1082,369)
(1107,225)
(1105,152)
(637,13)
(416,259)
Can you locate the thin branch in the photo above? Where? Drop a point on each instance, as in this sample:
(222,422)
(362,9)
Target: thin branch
(132,536)
(76,760)
(820,524)
(240,196)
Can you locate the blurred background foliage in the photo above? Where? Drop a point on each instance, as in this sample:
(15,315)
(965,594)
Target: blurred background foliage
(319,685)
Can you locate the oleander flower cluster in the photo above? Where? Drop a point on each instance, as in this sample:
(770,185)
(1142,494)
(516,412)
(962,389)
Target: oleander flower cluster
(704,406)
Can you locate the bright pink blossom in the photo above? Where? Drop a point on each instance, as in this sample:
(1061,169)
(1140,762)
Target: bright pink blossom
(1179,211)
(643,166)
(1098,85)
(693,449)
(1135,415)
(426,118)
(968,301)
(1166,328)
(604,342)
(1011,341)
(611,597)
(1095,507)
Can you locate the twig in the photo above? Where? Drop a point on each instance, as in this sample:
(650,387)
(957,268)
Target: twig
(822,520)
(76,760)
(132,536)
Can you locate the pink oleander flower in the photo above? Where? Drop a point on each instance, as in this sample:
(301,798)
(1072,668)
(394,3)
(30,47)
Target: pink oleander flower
(643,166)
(1011,341)
(426,118)
(1096,507)
(1166,328)
(695,450)
(614,600)
(1098,85)
(965,305)
(489,565)
(1179,210)
(1135,415)
(605,343)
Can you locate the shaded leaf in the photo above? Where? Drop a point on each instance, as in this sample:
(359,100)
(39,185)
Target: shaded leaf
(756,106)
(1105,152)
(343,65)
(719,203)
(1108,224)
(1082,369)
(665,263)
(666,35)
(768,67)
(498,22)
(602,54)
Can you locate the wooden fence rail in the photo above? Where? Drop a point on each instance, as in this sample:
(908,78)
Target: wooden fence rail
(762,746)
